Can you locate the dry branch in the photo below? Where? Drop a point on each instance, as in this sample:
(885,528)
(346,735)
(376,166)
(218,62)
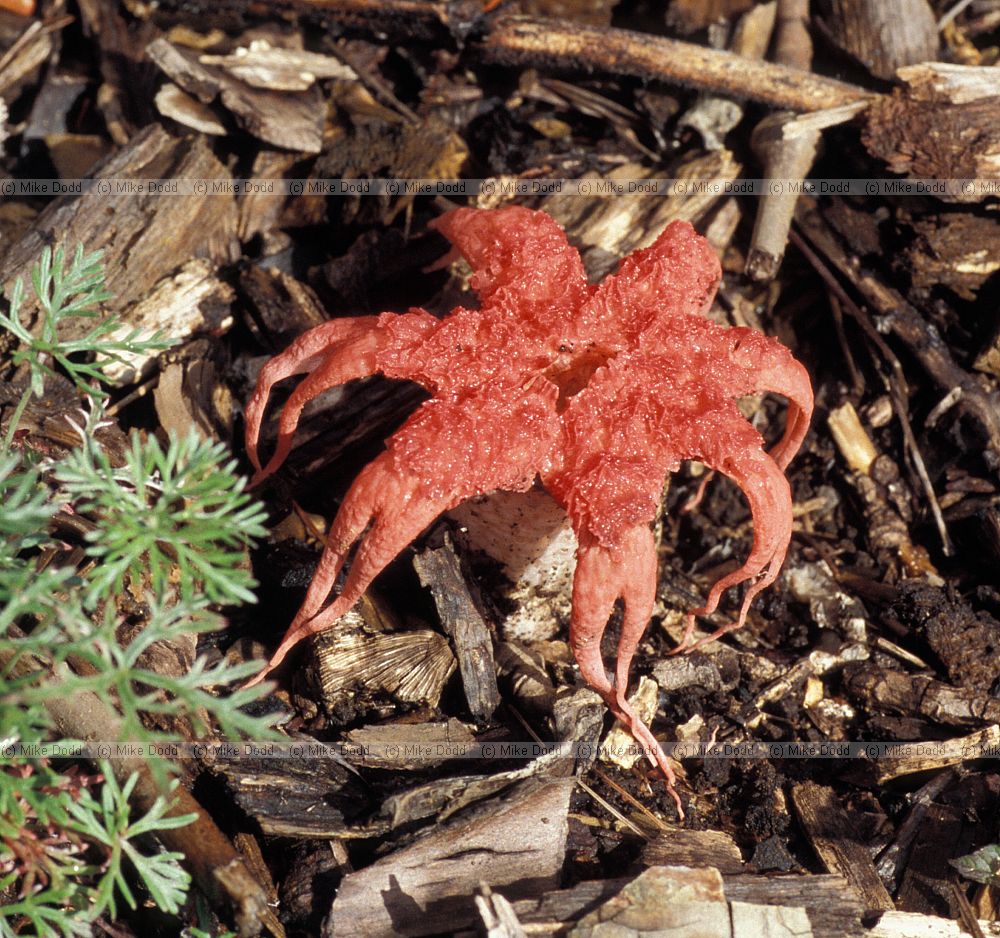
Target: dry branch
(523,41)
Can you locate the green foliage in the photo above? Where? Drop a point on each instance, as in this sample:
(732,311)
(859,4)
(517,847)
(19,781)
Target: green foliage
(65,295)
(107,822)
(182,506)
(170,527)
(983,866)
(57,838)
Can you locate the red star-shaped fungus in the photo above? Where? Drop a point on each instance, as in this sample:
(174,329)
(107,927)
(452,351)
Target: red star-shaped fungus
(599,391)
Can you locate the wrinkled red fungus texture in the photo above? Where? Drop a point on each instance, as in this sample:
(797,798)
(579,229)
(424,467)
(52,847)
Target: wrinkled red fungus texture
(599,391)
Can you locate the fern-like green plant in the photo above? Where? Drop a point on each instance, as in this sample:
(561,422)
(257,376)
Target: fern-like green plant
(66,294)
(178,512)
(172,524)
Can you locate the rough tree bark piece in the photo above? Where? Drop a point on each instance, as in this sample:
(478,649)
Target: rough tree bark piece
(885,34)
(878,689)
(145,236)
(578,716)
(298,796)
(694,849)
(962,637)
(261,211)
(831,832)
(440,570)
(959,250)
(988,360)
(941,126)
(515,845)
(292,120)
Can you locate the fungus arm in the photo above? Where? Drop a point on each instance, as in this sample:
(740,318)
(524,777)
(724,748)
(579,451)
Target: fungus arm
(724,441)
(764,364)
(446,452)
(331,354)
(603,575)
(523,265)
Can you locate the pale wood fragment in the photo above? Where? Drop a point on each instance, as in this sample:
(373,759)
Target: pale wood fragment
(831,832)
(664,900)
(191,301)
(515,845)
(885,34)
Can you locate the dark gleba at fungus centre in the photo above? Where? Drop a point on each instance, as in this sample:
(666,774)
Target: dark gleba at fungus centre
(599,391)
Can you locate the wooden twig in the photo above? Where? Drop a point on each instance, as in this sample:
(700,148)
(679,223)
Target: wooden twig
(543,43)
